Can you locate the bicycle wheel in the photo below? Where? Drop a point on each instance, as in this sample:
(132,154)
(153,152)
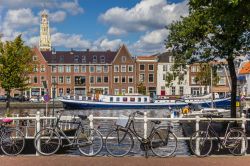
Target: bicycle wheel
(201,143)
(89,142)
(47,142)
(12,141)
(163,143)
(119,142)
(236,142)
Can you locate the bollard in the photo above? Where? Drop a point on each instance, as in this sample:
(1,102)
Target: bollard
(243,125)
(91,125)
(197,127)
(38,128)
(91,121)
(145,125)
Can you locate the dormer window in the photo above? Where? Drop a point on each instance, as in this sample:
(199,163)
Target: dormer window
(34,58)
(76,58)
(61,59)
(124,59)
(83,59)
(102,59)
(94,59)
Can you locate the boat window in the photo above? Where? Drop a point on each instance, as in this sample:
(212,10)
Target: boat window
(111,99)
(139,99)
(125,99)
(132,99)
(118,99)
(145,99)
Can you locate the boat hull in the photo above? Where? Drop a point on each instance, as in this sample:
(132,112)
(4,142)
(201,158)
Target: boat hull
(77,104)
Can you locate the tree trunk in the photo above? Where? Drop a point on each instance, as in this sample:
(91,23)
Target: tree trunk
(233,87)
(8,103)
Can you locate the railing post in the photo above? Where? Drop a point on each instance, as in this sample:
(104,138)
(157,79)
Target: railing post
(145,118)
(243,125)
(91,118)
(38,128)
(197,127)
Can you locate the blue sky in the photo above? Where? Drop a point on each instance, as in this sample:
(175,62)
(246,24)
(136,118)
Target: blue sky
(94,24)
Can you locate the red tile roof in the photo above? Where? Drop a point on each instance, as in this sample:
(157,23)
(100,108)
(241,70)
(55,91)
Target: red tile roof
(245,68)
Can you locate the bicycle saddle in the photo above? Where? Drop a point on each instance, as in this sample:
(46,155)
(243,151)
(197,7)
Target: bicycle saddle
(7,120)
(82,117)
(156,121)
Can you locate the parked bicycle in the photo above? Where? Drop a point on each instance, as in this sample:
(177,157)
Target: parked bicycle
(12,139)
(235,140)
(89,141)
(161,140)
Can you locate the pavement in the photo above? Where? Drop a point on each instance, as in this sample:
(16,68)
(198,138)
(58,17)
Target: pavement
(66,160)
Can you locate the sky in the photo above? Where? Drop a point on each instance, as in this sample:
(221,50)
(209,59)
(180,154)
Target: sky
(94,24)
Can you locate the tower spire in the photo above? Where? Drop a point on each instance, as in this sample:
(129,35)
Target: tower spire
(45,41)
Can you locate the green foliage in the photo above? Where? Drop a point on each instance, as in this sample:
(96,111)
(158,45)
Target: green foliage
(214,30)
(15,65)
(141,88)
(203,77)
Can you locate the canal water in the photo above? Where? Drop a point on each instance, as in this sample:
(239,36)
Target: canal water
(107,125)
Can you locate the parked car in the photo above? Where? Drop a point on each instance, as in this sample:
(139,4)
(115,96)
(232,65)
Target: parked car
(36,99)
(20,98)
(3,98)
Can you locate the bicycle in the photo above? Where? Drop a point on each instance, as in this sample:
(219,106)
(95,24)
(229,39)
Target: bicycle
(12,139)
(88,141)
(235,140)
(161,140)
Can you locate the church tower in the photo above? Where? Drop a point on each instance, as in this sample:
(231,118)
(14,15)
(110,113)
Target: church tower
(45,42)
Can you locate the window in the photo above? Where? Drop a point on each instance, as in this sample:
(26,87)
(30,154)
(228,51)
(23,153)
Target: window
(53,80)
(106,79)
(94,59)
(60,69)
(123,92)
(83,59)
(130,68)
(130,79)
(102,59)
(142,67)
(76,58)
(118,99)
(35,69)
(91,69)
(92,80)
(61,59)
(173,90)
(116,79)
(60,79)
(139,99)
(98,79)
(151,67)
(68,69)
(76,69)
(42,79)
(195,91)
(124,59)
(42,68)
(68,80)
(105,69)
(35,80)
(116,91)
(98,69)
(164,76)
(142,77)
(123,68)
(165,67)
(193,69)
(68,90)
(150,77)
(145,99)
(83,69)
(123,79)
(80,80)
(116,68)
(130,90)
(193,80)
(222,81)
(60,91)
(35,58)
(53,69)
(181,90)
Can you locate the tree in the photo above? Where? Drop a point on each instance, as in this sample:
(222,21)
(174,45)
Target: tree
(15,66)
(214,30)
(141,88)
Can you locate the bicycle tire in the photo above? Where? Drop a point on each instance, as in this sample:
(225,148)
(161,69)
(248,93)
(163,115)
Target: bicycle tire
(48,146)
(204,141)
(234,141)
(163,143)
(12,142)
(95,145)
(120,139)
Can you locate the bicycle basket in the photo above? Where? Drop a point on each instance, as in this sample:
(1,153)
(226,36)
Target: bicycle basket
(122,121)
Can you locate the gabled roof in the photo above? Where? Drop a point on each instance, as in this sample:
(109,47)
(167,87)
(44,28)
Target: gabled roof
(245,68)
(69,57)
(164,57)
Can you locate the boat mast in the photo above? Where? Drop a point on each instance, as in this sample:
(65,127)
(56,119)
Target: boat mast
(211,87)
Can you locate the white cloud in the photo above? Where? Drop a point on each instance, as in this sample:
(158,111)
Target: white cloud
(57,16)
(151,42)
(72,7)
(146,15)
(106,44)
(116,31)
(69,41)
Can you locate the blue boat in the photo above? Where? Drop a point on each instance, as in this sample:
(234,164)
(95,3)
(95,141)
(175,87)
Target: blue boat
(135,102)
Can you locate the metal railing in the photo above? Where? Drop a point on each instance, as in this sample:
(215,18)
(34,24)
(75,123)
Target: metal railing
(34,124)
